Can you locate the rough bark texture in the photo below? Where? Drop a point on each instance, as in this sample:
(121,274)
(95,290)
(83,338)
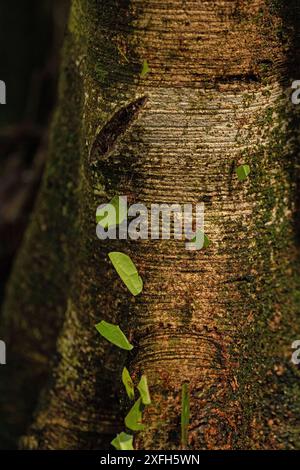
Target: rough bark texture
(222,319)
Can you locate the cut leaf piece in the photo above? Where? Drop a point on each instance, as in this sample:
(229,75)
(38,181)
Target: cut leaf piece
(114,334)
(185,414)
(242,172)
(133,420)
(201,240)
(112,213)
(127,271)
(144,390)
(123,441)
(145,68)
(128,384)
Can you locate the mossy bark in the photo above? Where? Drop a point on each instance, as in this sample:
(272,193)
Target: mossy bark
(223,318)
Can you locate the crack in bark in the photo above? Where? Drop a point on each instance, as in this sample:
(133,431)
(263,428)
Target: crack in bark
(246,278)
(116,127)
(237,78)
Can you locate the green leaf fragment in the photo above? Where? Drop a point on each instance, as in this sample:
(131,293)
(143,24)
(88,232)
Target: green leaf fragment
(144,390)
(133,420)
(114,334)
(112,214)
(123,441)
(200,235)
(145,68)
(242,172)
(185,414)
(128,384)
(206,241)
(127,272)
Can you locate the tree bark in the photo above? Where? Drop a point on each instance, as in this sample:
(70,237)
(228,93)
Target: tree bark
(223,318)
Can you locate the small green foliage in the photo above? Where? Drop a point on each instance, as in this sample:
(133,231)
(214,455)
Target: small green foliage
(185,414)
(101,73)
(144,390)
(133,420)
(127,272)
(206,241)
(242,172)
(114,334)
(128,384)
(111,214)
(123,441)
(145,68)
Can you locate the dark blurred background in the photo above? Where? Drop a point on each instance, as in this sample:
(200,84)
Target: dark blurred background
(31,37)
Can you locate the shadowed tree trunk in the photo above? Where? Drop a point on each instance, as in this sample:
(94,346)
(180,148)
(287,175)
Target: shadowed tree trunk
(224,318)
(30,37)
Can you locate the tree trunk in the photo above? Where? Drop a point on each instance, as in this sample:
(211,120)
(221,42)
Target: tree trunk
(30,35)
(224,318)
